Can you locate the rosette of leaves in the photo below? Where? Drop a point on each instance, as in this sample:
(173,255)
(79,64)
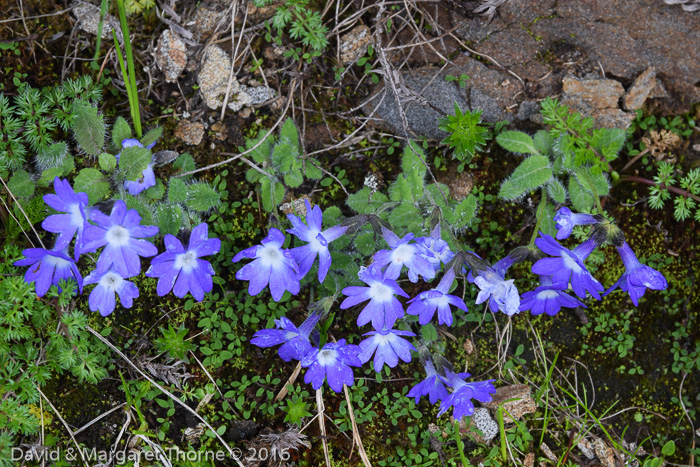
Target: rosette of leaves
(40,122)
(466,136)
(411,204)
(280,164)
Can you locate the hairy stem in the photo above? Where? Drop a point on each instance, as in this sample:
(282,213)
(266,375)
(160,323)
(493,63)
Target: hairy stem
(541,211)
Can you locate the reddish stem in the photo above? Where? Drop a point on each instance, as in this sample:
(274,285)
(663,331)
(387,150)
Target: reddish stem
(672,189)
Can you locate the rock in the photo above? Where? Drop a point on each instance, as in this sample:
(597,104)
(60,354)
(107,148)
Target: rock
(88,17)
(547,452)
(258,94)
(205,21)
(604,453)
(483,422)
(189,132)
(586,448)
(597,98)
(258,14)
(171,55)
(640,90)
(354,44)
(213,81)
(529,460)
(624,38)
(460,185)
(490,90)
(521,404)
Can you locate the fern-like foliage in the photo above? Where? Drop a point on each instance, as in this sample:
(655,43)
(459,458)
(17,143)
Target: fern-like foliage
(683,204)
(301,22)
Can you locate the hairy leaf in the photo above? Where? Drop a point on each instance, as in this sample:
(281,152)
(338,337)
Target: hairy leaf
(533,172)
(93,183)
(517,141)
(177,191)
(21,184)
(168,218)
(88,128)
(556,190)
(202,197)
(134,161)
(362,204)
(120,132)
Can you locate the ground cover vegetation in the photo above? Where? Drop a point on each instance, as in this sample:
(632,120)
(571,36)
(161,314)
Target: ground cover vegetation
(342,305)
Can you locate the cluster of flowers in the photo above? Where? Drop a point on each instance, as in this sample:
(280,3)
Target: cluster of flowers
(123,241)
(424,257)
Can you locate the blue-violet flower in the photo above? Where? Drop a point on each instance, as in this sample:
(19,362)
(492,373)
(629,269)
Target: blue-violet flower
(435,249)
(295,341)
(66,225)
(426,303)
(432,386)
(567,220)
(568,266)
(548,298)
(463,393)
(317,241)
(48,267)
(122,236)
(183,271)
(102,298)
(383,309)
(332,363)
(502,294)
(148,177)
(272,265)
(402,254)
(389,347)
(637,277)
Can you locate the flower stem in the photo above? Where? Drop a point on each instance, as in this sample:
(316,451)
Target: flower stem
(663,186)
(541,211)
(460,445)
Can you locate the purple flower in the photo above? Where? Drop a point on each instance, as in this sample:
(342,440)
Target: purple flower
(402,254)
(432,386)
(389,347)
(567,220)
(501,294)
(425,304)
(49,267)
(66,225)
(434,249)
(637,277)
(102,298)
(272,265)
(295,341)
(317,241)
(383,309)
(548,298)
(332,363)
(121,235)
(568,266)
(184,269)
(463,393)
(148,177)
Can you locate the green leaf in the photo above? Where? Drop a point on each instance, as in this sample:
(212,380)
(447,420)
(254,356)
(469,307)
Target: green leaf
(669,449)
(134,161)
(52,156)
(601,187)
(517,141)
(157,191)
(152,136)
(581,198)
(362,204)
(404,215)
(289,133)
(93,183)
(271,199)
(137,203)
(293,179)
(365,244)
(168,218)
(543,142)
(88,128)
(177,191)
(285,157)
(465,211)
(262,152)
(184,163)
(120,132)
(411,161)
(202,197)
(107,162)
(556,190)
(21,184)
(68,165)
(533,172)
(48,175)
(611,142)
(312,171)
(548,225)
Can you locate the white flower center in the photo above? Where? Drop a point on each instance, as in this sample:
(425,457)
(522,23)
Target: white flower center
(547,294)
(111,281)
(383,340)
(402,254)
(58,263)
(118,236)
(76,217)
(271,256)
(327,357)
(186,261)
(441,301)
(570,263)
(380,292)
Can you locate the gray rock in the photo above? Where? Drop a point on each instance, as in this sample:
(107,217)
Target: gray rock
(258,94)
(354,44)
(171,55)
(485,423)
(88,16)
(597,98)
